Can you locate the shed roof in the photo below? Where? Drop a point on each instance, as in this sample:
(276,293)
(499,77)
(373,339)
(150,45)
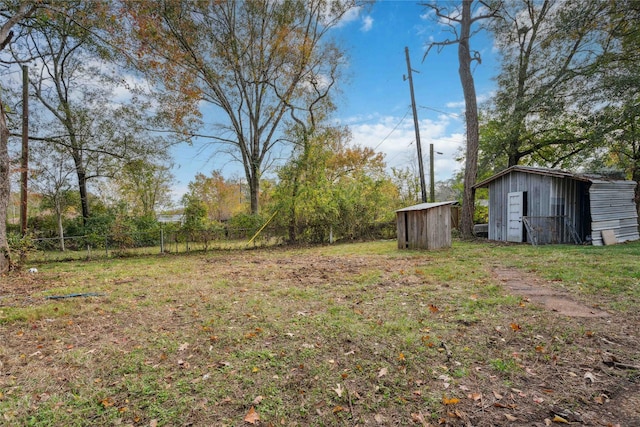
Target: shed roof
(424,206)
(539,171)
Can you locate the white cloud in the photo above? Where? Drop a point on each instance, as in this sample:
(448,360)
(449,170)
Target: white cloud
(480,99)
(367,23)
(350,16)
(455,104)
(395,137)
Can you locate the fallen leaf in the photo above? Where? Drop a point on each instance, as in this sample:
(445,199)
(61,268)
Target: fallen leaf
(257,400)
(338,409)
(382,372)
(559,419)
(433,308)
(419,418)
(107,402)
(183,346)
(401,357)
(339,390)
(475,396)
(589,376)
(252,416)
(153,423)
(511,417)
(379,418)
(497,395)
(450,401)
(515,327)
(600,400)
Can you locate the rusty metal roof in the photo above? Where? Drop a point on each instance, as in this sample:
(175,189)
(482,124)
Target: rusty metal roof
(423,206)
(539,171)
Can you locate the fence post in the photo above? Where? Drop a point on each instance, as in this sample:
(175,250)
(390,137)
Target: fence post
(161,240)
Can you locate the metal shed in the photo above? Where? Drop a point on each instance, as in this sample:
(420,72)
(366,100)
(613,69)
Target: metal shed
(425,226)
(540,206)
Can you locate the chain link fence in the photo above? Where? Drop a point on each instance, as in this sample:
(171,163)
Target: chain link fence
(171,240)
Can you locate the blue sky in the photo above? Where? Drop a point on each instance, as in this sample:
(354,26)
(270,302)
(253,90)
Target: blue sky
(375,101)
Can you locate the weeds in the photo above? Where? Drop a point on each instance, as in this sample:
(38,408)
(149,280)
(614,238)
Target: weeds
(331,336)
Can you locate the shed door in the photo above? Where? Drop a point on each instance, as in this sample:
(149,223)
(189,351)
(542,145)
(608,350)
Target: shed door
(515,212)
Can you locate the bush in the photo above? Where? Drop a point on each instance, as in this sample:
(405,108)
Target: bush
(243,226)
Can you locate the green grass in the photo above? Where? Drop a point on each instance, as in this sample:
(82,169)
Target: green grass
(201,338)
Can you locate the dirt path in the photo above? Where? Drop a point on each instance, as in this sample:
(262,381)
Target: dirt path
(540,292)
(623,397)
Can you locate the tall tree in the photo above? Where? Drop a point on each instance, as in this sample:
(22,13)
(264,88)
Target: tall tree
(550,53)
(144,187)
(254,60)
(462,22)
(76,91)
(51,175)
(220,198)
(10,18)
(620,91)
(340,189)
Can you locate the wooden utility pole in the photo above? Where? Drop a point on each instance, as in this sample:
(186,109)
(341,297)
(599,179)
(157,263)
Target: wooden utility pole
(423,186)
(24,167)
(432,177)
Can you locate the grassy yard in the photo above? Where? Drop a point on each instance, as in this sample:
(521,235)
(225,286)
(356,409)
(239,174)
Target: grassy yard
(343,335)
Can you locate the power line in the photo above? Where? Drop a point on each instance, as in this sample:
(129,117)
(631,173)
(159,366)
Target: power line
(458,116)
(392,130)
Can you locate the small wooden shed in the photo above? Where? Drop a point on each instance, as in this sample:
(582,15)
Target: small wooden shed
(540,206)
(425,226)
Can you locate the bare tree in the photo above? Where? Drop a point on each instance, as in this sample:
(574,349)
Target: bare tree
(460,21)
(253,60)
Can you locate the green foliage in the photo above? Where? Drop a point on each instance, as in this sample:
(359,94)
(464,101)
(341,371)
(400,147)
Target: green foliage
(540,114)
(21,245)
(331,189)
(195,213)
(244,225)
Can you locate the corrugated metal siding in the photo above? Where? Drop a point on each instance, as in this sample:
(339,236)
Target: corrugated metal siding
(613,208)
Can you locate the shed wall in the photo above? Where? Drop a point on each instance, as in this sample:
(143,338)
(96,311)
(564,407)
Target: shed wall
(545,196)
(424,229)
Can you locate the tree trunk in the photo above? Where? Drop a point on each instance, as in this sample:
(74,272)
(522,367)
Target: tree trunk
(254,189)
(82,185)
(60,227)
(5,191)
(293,235)
(471,116)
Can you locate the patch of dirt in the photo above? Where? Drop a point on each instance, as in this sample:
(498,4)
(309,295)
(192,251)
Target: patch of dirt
(538,291)
(620,395)
(570,360)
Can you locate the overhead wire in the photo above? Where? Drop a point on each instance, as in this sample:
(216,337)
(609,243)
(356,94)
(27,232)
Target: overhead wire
(392,130)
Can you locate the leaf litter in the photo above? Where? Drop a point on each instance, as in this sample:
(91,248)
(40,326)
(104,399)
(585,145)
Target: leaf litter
(522,365)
